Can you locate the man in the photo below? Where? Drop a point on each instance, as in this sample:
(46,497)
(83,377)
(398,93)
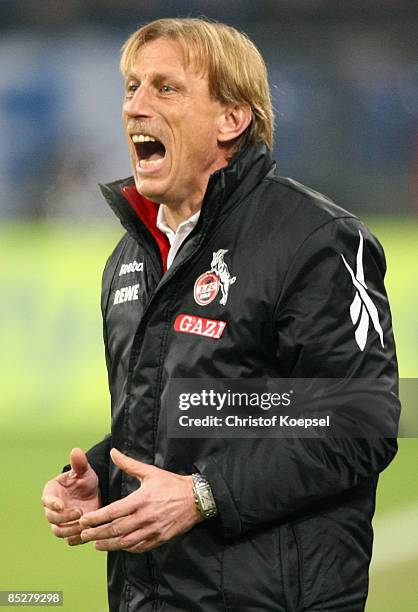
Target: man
(213,234)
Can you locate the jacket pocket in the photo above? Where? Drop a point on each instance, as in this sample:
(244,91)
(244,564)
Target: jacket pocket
(291,562)
(251,575)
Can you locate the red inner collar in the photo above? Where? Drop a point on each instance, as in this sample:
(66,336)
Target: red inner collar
(147,212)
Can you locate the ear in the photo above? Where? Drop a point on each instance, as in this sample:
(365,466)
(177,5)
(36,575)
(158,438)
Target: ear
(233,122)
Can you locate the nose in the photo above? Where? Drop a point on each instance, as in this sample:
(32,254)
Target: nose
(139,104)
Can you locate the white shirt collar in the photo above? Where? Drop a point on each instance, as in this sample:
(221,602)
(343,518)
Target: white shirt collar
(185,227)
(177,238)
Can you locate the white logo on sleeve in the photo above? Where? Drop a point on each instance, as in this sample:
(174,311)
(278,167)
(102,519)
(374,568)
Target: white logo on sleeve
(133,266)
(126,294)
(362,308)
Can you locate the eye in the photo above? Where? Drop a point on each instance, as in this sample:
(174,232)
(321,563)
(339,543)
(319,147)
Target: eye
(167,89)
(131,88)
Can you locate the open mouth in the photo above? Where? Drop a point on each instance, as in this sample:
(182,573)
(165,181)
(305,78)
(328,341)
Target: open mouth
(149,150)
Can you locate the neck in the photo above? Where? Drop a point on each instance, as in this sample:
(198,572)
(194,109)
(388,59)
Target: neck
(175,216)
(176,213)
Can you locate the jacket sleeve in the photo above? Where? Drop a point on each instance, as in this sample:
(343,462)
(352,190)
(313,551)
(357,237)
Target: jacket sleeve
(318,335)
(98,456)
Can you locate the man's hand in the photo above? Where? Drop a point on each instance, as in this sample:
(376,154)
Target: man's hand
(70,495)
(162,508)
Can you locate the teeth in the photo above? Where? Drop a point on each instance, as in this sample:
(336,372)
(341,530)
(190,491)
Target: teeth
(143,138)
(146,163)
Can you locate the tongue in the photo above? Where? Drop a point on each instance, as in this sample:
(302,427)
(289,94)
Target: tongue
(155,156)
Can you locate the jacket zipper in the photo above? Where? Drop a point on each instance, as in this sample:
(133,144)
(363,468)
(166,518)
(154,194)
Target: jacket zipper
(135,232)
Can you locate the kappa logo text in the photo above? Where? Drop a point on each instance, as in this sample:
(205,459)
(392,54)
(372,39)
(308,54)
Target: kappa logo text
(191,324)
(126,294)
(133,266)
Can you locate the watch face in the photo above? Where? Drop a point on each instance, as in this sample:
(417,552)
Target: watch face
(206,500)
(204,496)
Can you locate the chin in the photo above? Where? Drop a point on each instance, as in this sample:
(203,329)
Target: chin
(148,192)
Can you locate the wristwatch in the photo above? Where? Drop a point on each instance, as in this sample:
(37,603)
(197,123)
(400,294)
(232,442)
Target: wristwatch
(203,496)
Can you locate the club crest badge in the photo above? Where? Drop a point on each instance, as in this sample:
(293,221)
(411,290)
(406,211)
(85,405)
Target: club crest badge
(207,286)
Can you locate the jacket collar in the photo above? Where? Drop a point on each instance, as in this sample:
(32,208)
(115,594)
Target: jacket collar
(226,187)
(245,170)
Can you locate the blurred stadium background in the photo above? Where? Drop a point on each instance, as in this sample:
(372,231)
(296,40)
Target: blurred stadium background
(344,78)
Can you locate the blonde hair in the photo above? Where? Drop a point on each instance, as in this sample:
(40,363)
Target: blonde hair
(236,71)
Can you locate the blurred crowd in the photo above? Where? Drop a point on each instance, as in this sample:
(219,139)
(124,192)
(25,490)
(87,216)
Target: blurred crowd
(47,12)
(344,80)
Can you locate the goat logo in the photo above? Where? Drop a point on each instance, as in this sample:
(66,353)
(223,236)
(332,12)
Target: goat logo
(362,309)
(207,286)
(219,267)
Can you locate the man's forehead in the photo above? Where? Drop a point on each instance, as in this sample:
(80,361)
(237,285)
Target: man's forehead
(162,56)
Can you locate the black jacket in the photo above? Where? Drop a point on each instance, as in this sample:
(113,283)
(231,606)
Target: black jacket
(294,526)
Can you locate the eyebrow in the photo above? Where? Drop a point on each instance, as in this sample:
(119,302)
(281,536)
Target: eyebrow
(156,76)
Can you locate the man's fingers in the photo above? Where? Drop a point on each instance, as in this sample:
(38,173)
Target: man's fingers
(74,540)
(109,513)
(65,516)
(65,531)
(115,529)
(79,462)
(125,542)
(51,502)
(144,546)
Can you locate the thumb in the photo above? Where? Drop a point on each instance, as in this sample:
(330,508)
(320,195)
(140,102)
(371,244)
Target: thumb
(79,462)
(130,466)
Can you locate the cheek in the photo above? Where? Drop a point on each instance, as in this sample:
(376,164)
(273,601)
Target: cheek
(199,141)
(207,128)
